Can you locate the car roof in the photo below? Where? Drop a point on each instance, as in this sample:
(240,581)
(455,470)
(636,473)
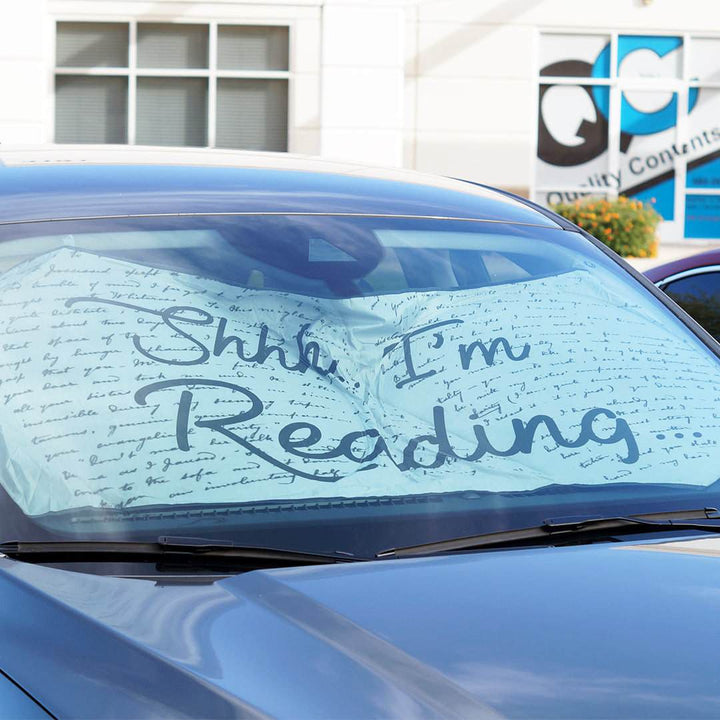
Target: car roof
(64,182)
(659,273)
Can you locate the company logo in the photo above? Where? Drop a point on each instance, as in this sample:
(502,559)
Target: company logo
(576,138)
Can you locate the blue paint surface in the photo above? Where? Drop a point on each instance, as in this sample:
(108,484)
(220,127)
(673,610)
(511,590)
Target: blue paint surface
(16,705)
(632,120)
(702,216)
(71,191)
(705,176)
(661,197)
(608,630)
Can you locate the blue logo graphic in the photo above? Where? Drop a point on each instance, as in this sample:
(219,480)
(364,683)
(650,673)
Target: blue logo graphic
(632,120)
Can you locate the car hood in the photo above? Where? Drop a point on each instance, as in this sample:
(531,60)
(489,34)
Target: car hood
(613,630)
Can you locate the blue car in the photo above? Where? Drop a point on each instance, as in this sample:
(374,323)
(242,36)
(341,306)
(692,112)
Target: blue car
(282,438)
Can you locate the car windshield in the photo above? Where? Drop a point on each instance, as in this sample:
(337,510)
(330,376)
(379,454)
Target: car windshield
(337,383)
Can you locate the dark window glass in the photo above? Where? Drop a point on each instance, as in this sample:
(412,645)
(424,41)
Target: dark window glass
(699,295)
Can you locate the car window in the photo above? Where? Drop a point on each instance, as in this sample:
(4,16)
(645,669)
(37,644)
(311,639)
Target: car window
(699,295)
(336,382)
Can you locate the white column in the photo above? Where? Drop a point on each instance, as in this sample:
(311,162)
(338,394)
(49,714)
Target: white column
(26,82)
(362,82)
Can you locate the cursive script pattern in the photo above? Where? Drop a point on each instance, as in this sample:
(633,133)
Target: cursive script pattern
(123,385)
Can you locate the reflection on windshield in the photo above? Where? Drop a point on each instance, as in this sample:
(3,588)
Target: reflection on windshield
(419,363)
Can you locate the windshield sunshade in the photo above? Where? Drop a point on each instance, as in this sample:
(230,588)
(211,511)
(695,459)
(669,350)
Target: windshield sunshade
(343,362)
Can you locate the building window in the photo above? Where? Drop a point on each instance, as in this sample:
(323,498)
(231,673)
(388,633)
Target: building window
(200,85)
(632,114)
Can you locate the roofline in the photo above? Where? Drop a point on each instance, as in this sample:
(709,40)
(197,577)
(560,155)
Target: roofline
(564,223)
(50,171)
(273,213)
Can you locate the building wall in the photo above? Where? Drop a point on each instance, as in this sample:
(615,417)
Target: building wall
(25,35)
(472,75)
(363,103)
(444,86)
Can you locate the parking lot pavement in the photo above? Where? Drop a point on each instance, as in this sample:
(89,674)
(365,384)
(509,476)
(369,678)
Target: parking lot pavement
(672,251)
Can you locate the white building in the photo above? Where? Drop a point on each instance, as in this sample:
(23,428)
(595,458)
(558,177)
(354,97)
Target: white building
(545,97)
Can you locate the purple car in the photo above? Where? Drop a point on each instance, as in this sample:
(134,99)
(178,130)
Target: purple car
(694,283)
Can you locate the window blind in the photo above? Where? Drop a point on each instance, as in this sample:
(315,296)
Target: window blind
(252,48)
(172,45)
(90,109)
(80,44)
(171,111)
(251,111)
(252,114)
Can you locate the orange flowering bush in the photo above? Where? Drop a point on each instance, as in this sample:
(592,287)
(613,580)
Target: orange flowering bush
(627,226)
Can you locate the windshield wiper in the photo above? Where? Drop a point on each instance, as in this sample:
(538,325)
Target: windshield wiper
(167,550)
(565,530)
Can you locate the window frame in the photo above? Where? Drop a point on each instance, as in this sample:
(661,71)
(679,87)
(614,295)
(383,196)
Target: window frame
(212,73)
(713,269)
(682,85)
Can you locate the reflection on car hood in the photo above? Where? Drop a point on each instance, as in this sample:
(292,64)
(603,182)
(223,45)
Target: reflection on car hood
(592,631)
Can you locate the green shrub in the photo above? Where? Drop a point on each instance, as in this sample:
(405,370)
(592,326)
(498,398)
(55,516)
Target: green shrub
(627,226)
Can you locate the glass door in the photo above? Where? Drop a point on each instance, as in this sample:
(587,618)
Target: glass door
(637,115)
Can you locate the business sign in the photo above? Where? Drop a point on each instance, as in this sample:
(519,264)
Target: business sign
(652,103)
